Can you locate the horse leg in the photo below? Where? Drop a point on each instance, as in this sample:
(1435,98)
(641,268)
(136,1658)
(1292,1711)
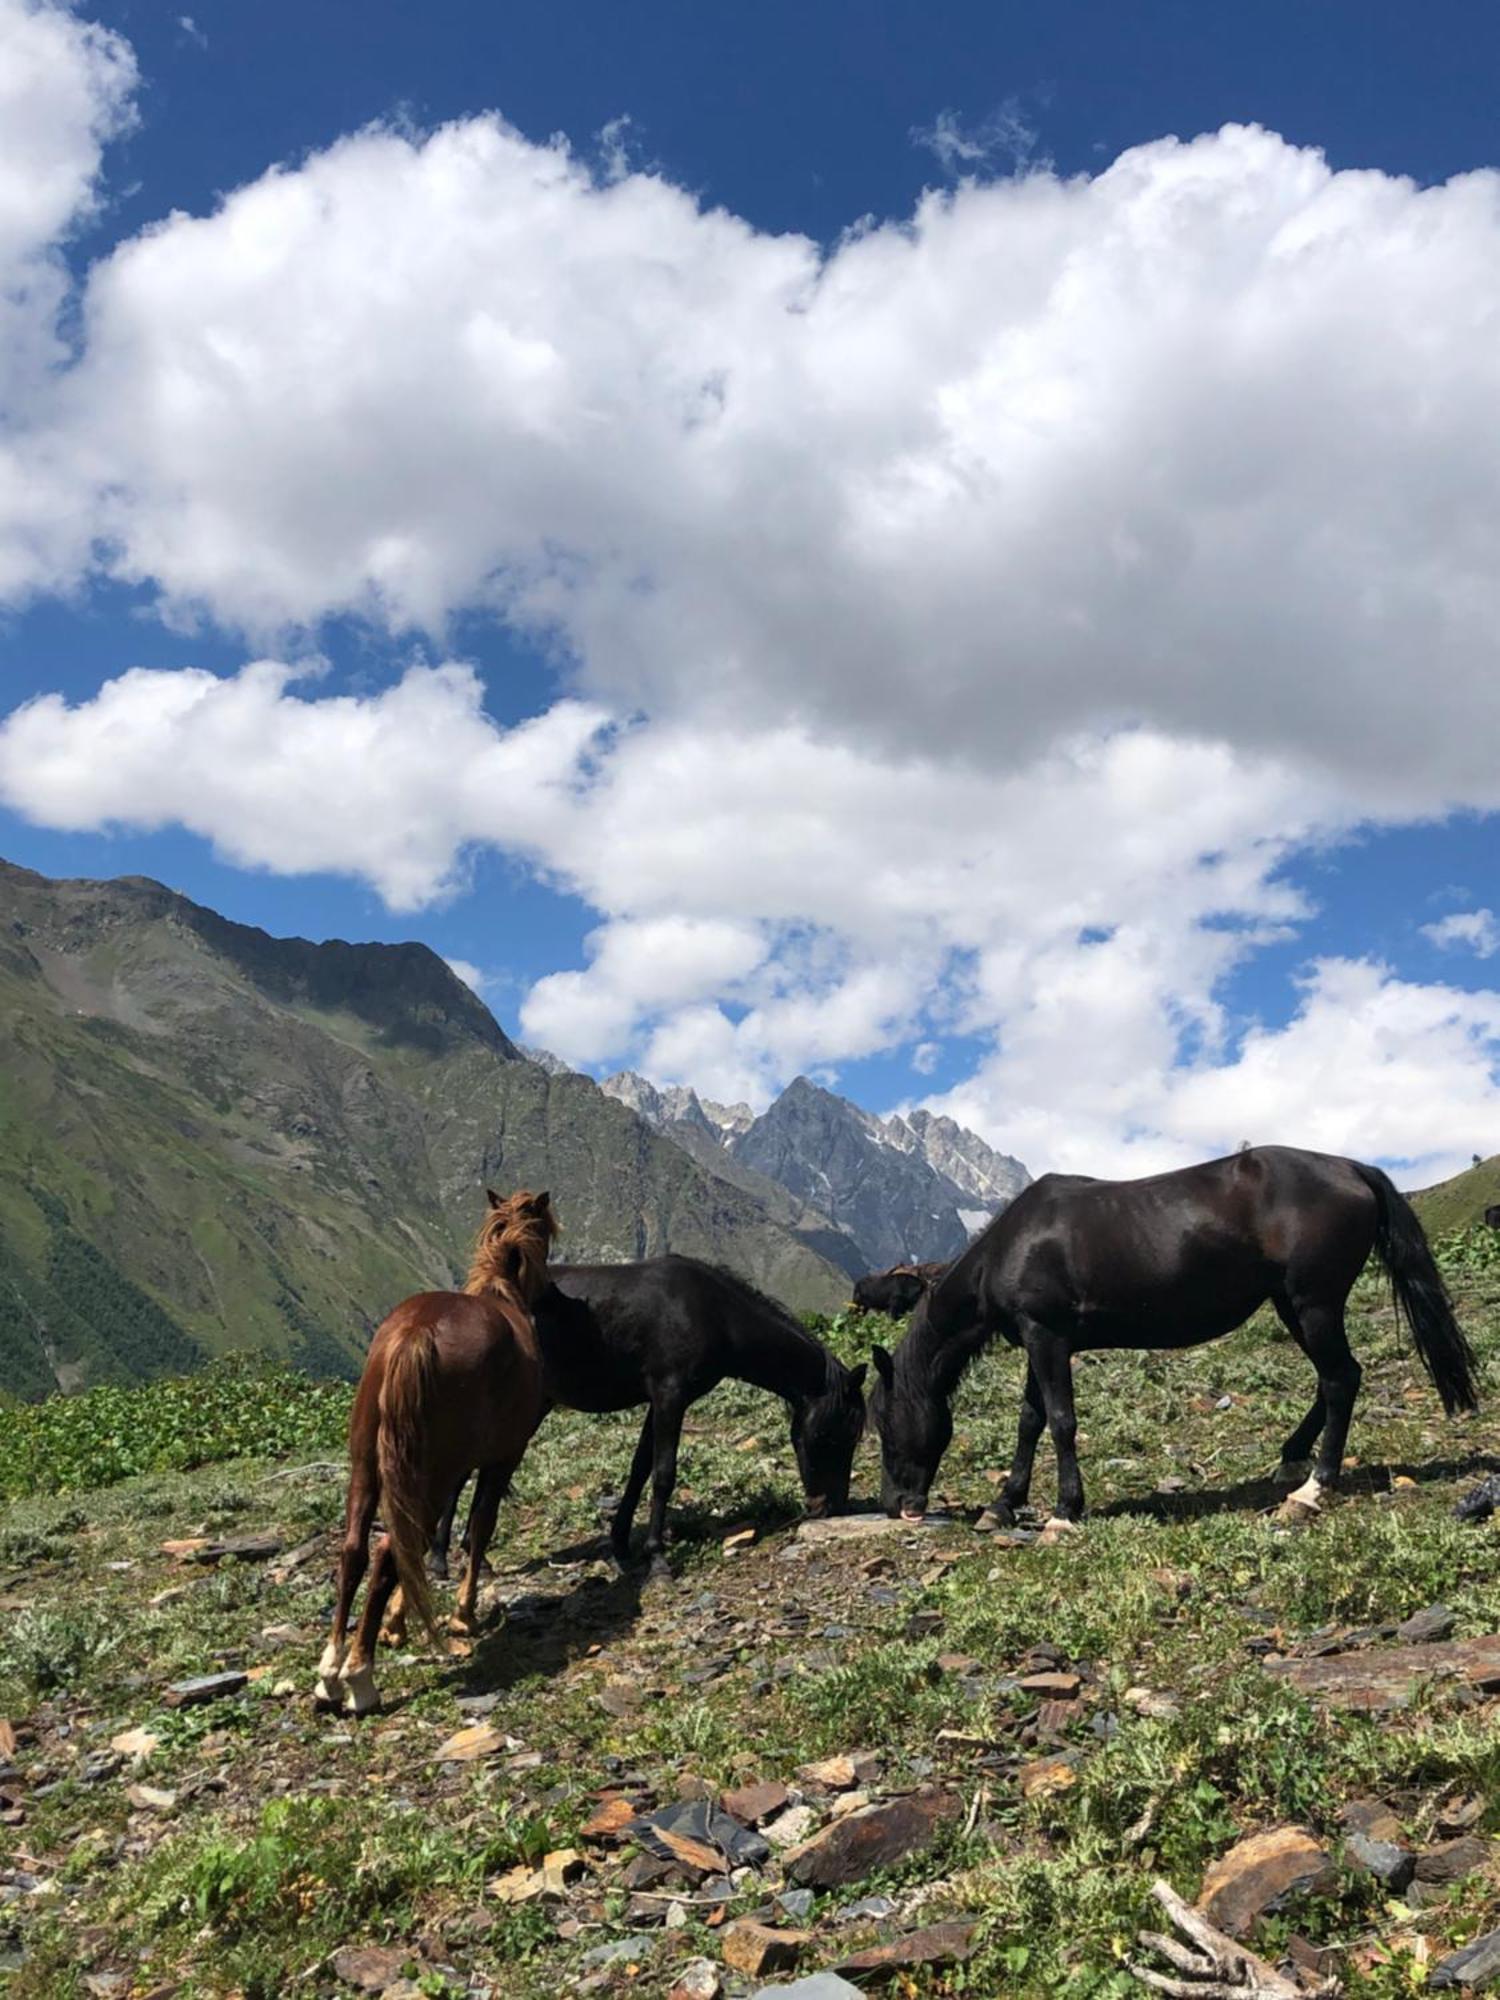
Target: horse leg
(354,1556)
(1339,1377)
(1001,1513)
(1051,1363)
(1298,1447)
(489,1491)
(360,1692)
(442,1534)
(666,1425)
(630,1499)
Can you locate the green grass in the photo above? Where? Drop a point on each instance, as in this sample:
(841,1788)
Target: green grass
(294,1834)
(238,1408)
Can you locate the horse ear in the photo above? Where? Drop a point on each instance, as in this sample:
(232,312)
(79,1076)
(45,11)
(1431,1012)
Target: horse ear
(885,1368)
(857,1375)
(493,1199)
(543,1200)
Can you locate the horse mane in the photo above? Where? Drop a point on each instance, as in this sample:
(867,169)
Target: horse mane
(510,1251)
(784,1317)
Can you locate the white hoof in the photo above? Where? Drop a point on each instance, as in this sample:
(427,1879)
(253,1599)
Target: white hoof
(361,1695)
(1056,1525)
(328,1690)
(1309,1494)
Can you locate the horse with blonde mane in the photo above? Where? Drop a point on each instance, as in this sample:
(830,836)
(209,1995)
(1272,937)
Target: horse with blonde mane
(452,1385)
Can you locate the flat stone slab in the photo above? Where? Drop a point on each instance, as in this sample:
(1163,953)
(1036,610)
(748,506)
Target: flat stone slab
(874,1837)
(206,1687)
(938,1944)
(817,1986)
(1476,1966)
(1259,1874)
(868,1527)
(1386,1677)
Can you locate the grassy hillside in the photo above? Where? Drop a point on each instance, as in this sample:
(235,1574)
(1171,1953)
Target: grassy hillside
(1459,1203)
(215,1140)
(240,1847)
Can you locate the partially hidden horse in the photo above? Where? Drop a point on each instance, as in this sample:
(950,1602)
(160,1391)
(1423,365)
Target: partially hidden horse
(664,1332)
(897,1291)
(1166,1262)
(452,1385)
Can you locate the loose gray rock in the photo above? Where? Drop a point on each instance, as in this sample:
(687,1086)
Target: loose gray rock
(1476,1966)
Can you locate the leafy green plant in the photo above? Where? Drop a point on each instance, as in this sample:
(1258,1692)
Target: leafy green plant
(242,1407)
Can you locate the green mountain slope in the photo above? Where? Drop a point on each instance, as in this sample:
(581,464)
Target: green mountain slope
(1460,1202)
(212,1139)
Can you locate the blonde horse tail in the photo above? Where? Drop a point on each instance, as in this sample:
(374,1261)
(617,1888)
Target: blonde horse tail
(404,1418)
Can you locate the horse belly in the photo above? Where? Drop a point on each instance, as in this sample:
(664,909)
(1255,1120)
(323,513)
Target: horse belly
(1167,1323)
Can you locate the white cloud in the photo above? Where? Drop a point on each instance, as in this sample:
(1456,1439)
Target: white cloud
(391,787)
(640,967)
(1052,455)
(1006,134)
(65,90)
(972,620)
(470,974)
(1475,930)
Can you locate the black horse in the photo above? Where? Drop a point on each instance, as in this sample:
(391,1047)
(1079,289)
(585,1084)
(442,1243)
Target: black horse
(665,1332)
(897,1291)
(1169,1261)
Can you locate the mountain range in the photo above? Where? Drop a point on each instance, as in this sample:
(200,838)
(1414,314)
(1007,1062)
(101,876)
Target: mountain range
(909,1188)
(212,1139)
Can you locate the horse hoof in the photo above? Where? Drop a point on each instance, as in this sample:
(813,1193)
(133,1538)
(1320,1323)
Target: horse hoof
(361,1696)
(328,1690)
(993,1519)
(1290,1472)
(1306,1503)
(463,1624)
(659,1570)
(1056,1530)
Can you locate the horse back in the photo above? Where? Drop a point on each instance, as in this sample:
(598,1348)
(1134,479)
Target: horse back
(1195,1246)
(483,1356)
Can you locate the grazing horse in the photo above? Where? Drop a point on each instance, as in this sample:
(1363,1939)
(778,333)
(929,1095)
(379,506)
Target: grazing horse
(1169,1261)
(452,1385)
(663,1333)
(897,1291)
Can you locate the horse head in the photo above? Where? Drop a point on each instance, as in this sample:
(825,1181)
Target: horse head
(914,1424)
(826,1428)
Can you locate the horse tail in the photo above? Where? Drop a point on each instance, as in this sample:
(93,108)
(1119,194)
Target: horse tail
(1420,1296)
(405,1408)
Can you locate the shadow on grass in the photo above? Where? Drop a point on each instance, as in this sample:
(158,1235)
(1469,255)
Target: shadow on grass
(1254,1496)
(543,1634)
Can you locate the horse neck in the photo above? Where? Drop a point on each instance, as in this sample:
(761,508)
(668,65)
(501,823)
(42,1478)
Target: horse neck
(950,1334)
(781,1356)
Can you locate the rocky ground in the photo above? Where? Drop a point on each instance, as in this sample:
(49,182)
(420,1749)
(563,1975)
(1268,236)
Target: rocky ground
(823,1759)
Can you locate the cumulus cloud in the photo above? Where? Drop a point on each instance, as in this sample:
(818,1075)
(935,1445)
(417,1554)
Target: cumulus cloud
(1200,442)
(1473,930)
(391,787)
(65,90)
(469,973)
(965,624)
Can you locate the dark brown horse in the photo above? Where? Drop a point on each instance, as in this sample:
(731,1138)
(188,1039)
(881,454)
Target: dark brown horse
(452,1385)
(897,1291)
(1169,1261)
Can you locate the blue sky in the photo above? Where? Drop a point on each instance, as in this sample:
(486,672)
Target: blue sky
(1001,602)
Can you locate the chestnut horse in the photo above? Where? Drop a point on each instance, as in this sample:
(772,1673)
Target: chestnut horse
(452,1385)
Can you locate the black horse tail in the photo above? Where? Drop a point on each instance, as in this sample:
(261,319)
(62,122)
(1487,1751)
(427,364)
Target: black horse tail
(1420,1295)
